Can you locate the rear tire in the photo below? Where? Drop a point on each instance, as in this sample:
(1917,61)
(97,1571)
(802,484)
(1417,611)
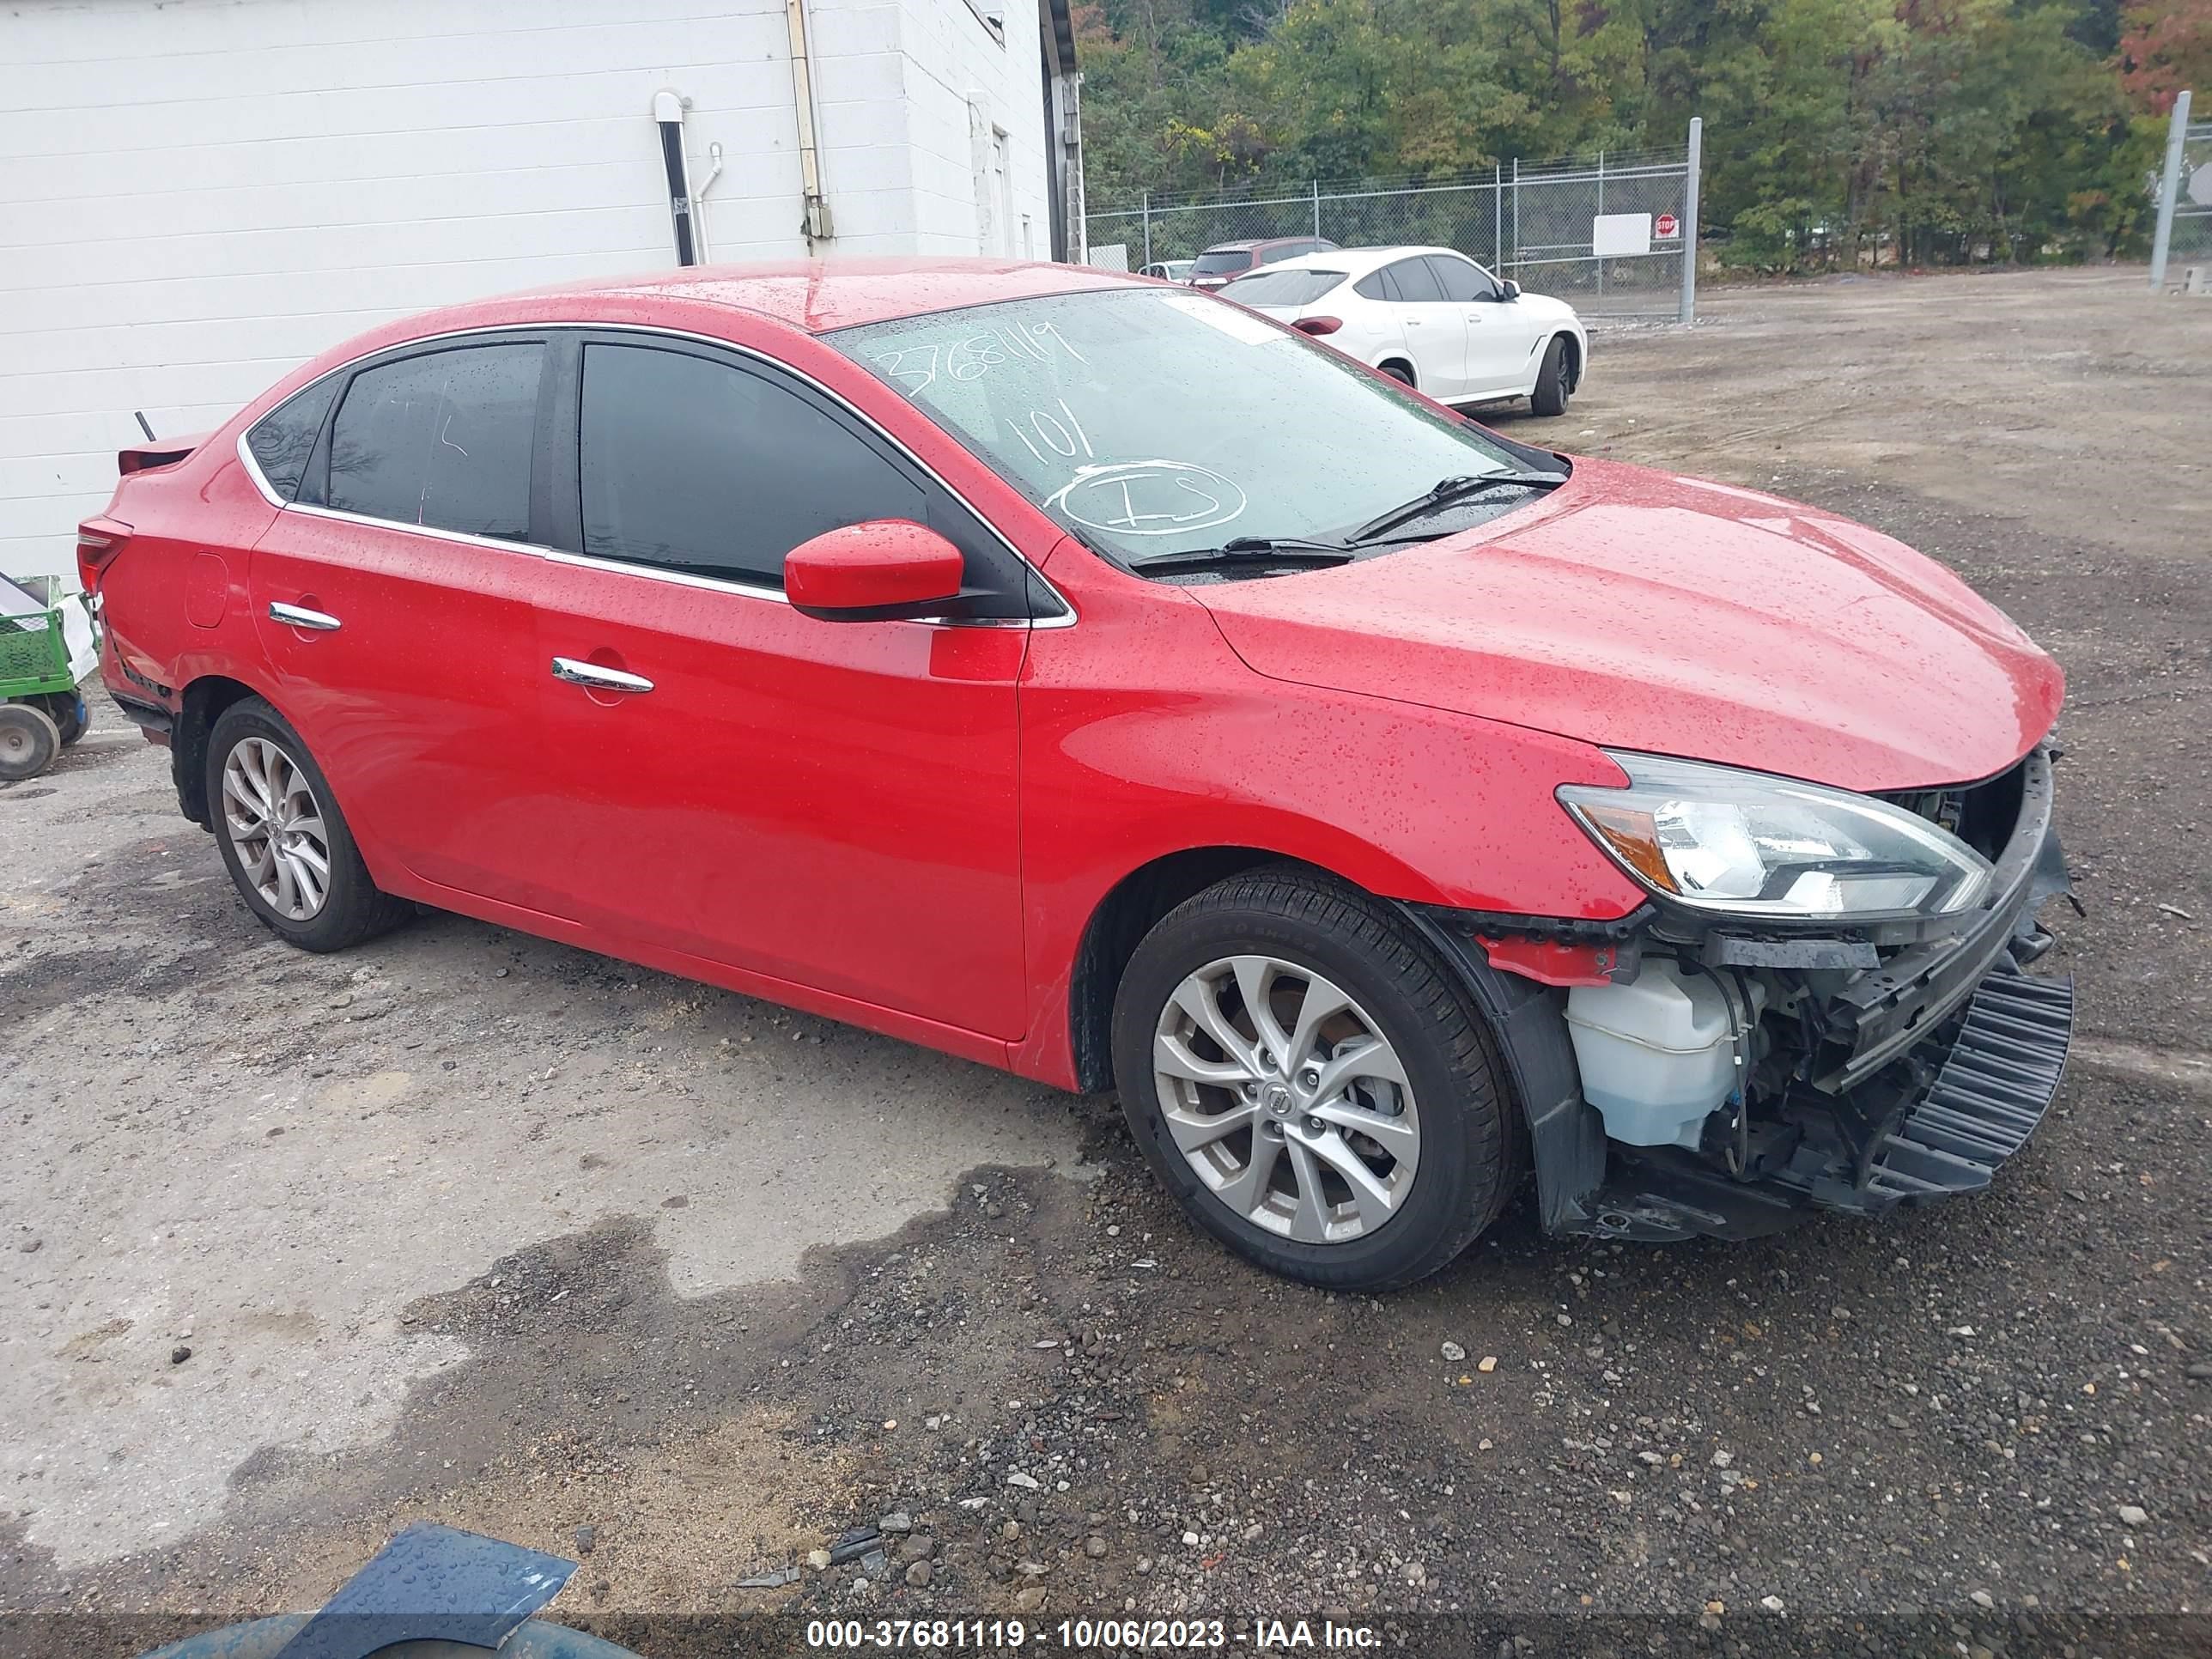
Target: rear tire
(1398,372)
(283,839)
(29,740)
(1372,1052)
(1551,393)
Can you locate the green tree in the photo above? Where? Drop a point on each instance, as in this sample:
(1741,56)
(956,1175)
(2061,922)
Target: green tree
(1836,131)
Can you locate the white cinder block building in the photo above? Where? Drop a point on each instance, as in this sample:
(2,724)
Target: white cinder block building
(196,195)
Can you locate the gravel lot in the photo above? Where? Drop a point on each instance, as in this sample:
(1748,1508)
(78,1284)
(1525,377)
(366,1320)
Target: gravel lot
(468,1226)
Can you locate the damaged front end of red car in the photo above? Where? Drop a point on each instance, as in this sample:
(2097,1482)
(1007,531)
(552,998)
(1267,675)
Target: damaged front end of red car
(1850,1068)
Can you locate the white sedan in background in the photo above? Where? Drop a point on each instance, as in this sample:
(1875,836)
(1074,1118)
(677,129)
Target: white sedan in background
(1432,318)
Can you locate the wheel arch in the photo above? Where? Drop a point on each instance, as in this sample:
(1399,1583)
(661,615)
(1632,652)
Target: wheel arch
(200,705)
(1118,921)
(1401,358)
(1567,1139)
(1565,1136)
(1567,338)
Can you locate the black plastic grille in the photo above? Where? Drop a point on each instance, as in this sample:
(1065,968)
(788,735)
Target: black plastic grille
(1996,1084)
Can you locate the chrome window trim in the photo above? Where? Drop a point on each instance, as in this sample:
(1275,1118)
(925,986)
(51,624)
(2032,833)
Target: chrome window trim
(253,467)
(655,573)
(438,532)
(1065,618)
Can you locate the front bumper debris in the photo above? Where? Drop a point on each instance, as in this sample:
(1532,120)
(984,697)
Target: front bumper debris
(1873,1018)
(1995,1070)
(1992,1091)
(1899,1064)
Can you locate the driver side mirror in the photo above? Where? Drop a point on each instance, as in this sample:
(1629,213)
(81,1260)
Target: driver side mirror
(1510,288)
(885,570)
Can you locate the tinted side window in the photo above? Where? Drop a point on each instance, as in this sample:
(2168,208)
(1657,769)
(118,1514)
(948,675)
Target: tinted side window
(1414,280)
(1375,285)
(1460,280)
(282,439)
(693,466)
(442,439)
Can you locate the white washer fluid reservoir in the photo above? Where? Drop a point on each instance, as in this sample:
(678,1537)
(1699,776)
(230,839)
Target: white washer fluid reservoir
(1657,1054)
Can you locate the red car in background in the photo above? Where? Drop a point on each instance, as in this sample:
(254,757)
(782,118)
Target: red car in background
(1101,681)
(1224,262)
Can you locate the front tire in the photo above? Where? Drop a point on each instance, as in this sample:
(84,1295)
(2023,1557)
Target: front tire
(1311,1084)
(284,840)
(1552,389)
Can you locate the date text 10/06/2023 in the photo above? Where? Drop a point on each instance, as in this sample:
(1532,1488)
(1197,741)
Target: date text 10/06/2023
(1127,1635)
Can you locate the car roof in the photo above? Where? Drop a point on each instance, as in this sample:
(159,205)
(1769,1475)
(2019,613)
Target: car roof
(1356,261)
(1252,242)
(818,295)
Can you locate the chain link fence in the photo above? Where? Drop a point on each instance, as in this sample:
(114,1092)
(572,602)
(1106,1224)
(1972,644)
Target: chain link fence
(1614,234)
(2184,199)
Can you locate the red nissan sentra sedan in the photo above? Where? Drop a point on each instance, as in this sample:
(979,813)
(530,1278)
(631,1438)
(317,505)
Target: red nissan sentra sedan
(1100,680)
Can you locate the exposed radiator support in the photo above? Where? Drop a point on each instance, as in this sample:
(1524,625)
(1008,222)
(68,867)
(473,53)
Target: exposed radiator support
(815,221)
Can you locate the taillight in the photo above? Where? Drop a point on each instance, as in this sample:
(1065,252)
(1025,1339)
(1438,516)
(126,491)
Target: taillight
(1318,325)
(98,541)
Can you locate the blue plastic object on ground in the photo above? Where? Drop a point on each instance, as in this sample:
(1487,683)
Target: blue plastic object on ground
(432,1593)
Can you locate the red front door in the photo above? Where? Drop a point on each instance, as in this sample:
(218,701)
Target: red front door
(829,804)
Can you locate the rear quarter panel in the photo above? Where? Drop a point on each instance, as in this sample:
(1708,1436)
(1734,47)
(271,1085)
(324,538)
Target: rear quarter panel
(172,601)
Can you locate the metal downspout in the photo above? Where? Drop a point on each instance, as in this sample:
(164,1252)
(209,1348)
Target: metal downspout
(814,221)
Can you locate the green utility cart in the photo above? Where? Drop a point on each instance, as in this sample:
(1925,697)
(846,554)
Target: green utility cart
(47,644)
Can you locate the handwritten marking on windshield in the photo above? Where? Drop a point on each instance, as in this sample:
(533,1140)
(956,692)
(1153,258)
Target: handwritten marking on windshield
(1064,439)
(915,368)
(1149,498)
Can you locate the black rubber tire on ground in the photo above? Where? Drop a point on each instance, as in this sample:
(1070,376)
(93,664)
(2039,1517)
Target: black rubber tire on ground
(355,908)
(1399,372)
(1471,1137)
(29,740)
(71,718)
(1550,396)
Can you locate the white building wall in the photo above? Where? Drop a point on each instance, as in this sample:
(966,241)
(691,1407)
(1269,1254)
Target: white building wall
(859,101)
(966,82)
(198,194)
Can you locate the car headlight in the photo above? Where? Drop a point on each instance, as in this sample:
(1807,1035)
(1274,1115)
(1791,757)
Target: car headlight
(1753,845)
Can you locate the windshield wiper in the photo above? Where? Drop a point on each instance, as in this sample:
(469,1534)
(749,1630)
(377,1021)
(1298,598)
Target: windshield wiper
(1446,491)
(1249,550)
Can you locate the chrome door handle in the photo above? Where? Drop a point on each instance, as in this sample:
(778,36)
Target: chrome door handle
(296,616)
(598,678)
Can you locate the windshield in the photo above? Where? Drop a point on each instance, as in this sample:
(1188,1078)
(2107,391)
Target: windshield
(1151,421)
(1221,263)
(1281,287)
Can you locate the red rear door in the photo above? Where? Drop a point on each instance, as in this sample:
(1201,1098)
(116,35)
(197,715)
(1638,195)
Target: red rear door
(831,804)
(394,602)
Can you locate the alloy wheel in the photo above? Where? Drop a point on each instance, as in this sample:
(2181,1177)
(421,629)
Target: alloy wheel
(1286,1100)
(276,825)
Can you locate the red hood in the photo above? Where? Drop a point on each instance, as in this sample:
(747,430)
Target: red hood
(1641,610)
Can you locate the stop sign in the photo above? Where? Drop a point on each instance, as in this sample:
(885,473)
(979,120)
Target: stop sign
(1666,225)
